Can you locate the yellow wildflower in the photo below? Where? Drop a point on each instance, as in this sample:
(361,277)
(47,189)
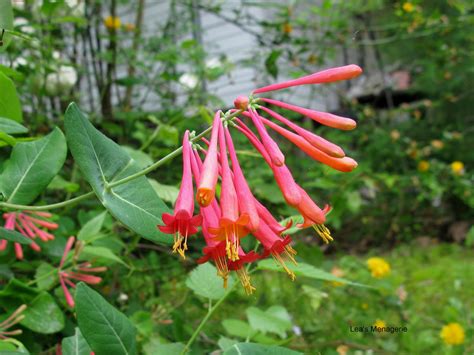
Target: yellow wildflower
(378,267)
(380,324)
(408,7)
(457,167)
(365,306)
(452,334)
(423,166)
(112,22)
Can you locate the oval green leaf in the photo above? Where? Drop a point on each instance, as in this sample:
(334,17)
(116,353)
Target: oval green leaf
(32,166)
(105,329)
(102,161)
(10,106)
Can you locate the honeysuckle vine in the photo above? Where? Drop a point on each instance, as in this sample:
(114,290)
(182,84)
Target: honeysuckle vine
(235,212)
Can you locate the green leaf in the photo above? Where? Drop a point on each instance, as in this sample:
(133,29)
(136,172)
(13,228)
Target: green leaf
(58,183)
(168,193)
(75,345)
(45,276)
(271,63)
(6,139)
(13,236)
(274,320)
(105,329)
(238,328)
(6,22)
(32,166)
(11,127)
(16,293)
(204,281)
(43,315)
(10,106)
(142,159)
(101,254)
(306,270)
(91,229)
(155,347)
(257,349)
(102,161)
(226,343)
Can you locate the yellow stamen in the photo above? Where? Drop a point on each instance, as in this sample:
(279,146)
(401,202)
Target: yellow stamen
(222,269)
(231,244)
(245,281)
(288,254)
(323,232)
(180,245)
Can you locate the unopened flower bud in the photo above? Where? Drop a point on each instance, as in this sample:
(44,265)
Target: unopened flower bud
(241,103)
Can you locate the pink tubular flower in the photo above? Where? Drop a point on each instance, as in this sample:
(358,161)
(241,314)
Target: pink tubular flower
(245,199)
(216,250)
(315,140)
(277,247)
(183,224)
(282,174)
(270,145)
(232,224)
(80,272)
(326,76)
(210,171)
(28,224)
(325,118)
(344,164)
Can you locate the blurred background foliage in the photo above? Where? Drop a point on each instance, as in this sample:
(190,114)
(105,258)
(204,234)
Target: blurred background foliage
(411,197)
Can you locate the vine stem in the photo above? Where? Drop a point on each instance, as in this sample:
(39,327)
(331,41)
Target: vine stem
(112,184)
(48,207)
(206,318)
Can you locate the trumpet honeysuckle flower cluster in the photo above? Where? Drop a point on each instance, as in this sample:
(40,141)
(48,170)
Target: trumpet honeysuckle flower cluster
(81,272)
(32,225)
(236,213)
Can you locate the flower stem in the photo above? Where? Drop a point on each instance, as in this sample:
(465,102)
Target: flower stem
(206,318)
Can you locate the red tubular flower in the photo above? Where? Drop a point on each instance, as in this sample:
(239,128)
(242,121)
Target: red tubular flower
(269,220)
(282,174)
(315,140)
(325,118)
(277,247)
(216,250)
(30,226)
(245,199)
(232,225)
(344,164)
(325,76)
(270,145)
(183,224)
(79,272)
(207,185)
